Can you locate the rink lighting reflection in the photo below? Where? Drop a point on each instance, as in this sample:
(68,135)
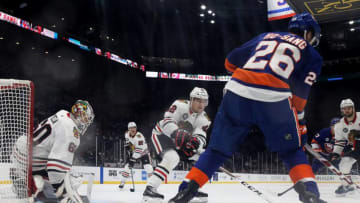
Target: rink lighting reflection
(334,79)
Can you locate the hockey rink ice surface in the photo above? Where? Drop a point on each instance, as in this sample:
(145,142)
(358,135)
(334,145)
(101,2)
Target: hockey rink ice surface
(218,193)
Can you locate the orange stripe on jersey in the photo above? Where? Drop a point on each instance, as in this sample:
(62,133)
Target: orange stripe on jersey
(256,78)
(314,141)
(196,174)
(229,66)
(299,103)
(301,171)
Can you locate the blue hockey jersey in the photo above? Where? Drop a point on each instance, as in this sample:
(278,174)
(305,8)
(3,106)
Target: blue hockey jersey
(274,66)
(323,141)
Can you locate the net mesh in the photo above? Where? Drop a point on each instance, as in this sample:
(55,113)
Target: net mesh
(15,138)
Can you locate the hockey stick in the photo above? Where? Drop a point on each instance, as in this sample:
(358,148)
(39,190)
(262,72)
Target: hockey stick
(247,185)
(329,165)
(132,180)
(287,190)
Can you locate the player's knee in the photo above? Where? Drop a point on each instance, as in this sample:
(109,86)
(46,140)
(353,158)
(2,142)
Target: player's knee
(170,159)
(293,158)
(148,168)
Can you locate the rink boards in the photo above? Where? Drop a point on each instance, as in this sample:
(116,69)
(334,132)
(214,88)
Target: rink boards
(104,175)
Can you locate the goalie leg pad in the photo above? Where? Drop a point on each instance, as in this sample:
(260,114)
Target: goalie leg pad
(18,177)
(71,192)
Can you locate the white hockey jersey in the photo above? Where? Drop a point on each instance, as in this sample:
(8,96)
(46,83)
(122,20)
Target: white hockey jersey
(342,129)
(54,142)
(140,147)
(179,115)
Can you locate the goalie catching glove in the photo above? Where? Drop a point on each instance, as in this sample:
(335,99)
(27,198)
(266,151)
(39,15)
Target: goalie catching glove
(185,142)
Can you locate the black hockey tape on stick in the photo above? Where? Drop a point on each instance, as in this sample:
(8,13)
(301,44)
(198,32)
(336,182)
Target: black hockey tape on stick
(247,185)
(330,166)
(287,190)
(132,180)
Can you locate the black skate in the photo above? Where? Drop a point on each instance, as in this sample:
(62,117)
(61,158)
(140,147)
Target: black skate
(151,195)
(342,191)
(186,195)
(121,186)
(306,196)
(200,197)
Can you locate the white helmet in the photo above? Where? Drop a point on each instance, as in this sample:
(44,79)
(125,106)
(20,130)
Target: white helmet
(83,114)
(131,125)
(346,103)
(199,93)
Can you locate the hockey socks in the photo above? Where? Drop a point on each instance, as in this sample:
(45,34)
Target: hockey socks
(207,164)
(300,171)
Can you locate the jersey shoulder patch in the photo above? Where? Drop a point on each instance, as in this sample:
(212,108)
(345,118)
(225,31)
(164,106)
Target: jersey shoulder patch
(76,133)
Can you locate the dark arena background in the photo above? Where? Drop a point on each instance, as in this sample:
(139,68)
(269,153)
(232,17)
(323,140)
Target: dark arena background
(162,37)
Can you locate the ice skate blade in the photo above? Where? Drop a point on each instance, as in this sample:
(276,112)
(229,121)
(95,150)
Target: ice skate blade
(147,199)
(199,200)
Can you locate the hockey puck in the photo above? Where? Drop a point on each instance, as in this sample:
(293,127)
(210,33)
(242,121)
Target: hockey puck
(132,190)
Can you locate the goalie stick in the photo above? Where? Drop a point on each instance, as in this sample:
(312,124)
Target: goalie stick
(330,166)
(247,185)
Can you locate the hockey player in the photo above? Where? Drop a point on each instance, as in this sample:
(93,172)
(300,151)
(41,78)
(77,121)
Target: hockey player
(323,142)
(137,149)
(346,134)
(55,141)
(272,77)
(181,134)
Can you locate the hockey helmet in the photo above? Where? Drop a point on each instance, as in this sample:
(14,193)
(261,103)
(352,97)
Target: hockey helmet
(346,103)
(131,125)
(199,93)
(304,22)
(83,113)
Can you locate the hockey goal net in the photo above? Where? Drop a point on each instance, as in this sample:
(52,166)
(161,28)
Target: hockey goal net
(16,126)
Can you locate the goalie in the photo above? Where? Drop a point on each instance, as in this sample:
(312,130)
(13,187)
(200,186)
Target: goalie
(54,142)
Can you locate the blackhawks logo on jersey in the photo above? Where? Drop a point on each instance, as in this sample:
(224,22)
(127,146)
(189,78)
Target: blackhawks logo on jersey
(76,133)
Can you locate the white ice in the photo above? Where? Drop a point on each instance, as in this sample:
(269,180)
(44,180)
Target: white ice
(218,193)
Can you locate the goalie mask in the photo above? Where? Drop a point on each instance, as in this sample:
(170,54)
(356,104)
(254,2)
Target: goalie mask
(83,114)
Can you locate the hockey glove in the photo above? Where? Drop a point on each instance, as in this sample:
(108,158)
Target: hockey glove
(185,142)
(191,147)
(303,131)
(333,157)
(132,161)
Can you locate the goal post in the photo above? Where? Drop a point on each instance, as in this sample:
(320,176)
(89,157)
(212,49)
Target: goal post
(16,129)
